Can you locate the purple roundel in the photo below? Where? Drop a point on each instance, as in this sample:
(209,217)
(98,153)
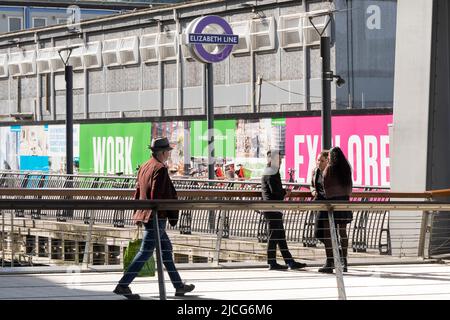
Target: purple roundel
(200,50)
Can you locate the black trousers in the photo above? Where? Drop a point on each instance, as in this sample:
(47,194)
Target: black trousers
(277,236)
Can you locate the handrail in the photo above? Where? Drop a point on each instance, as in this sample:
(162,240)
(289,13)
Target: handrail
(225,205)
(82,204)
(196,193)
(440,193)
(174,179)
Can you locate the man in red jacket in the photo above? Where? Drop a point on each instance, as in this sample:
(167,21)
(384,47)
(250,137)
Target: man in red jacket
(153,182)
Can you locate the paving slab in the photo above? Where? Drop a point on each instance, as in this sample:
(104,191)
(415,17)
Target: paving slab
(368,282)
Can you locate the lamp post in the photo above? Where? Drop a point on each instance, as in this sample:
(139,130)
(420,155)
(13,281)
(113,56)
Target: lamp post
(327,77)
(326,92)
(68,76)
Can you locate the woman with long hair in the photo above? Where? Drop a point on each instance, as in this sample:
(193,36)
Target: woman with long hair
(318,192)
(338,184)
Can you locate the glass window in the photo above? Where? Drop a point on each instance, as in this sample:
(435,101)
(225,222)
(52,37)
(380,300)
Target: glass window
(14,24)
(39,22)
(365,53)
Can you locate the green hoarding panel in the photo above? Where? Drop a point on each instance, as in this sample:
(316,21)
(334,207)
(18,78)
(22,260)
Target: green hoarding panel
(224,138)
(113,148)
(279,122)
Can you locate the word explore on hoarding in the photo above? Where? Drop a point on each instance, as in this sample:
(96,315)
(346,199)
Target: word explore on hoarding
(368,152)
(363,139)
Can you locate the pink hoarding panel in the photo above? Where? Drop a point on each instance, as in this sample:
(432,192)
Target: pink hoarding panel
(364,140)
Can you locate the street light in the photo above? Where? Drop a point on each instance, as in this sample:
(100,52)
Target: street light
(339,81)
(327,78)
(64,54)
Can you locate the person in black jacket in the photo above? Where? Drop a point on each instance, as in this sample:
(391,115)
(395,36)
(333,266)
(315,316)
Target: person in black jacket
(318,193)
(272,189)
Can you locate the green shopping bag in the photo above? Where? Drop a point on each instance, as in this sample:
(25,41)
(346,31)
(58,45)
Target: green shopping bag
(148,270)
(247,173)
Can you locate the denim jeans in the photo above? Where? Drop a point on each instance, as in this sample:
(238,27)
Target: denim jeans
(146,251)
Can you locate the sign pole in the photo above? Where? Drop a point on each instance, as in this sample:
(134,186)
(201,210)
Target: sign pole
(326,93)
(199,44)
(210,118)
(68,74)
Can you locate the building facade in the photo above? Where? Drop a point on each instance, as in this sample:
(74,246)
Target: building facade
(275,68)
(20,15)
(134,68)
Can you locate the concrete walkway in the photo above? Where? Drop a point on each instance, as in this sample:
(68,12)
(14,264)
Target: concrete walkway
(391,282)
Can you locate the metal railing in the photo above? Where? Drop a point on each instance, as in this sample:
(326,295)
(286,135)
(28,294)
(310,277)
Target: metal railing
(330,206)
(369,229)
(366,230)
(30,179)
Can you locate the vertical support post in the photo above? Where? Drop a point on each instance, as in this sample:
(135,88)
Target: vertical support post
(425,229)
(210,120)
(350,76)
(69,118)
(87,247)
(52,95)
(11,235)
(258,104)
(121,252)
(159,265)
(205,89)
(187,148)
(306,67)
(106,249)
(77,252)
(3,239)
(36,246)
(52,87)
(337,257)
(86,93)
(38,104)
(49,248)
(179,67)
(161,88)
(326,92)
(219,237)
(19,95)
(63,248)
(253,81)
(68,75)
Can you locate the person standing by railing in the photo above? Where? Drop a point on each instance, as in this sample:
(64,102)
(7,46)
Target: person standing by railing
(153,182)
(218,172)
(318,192)
(229,171)
(272,189)
(338,184)
(316,188)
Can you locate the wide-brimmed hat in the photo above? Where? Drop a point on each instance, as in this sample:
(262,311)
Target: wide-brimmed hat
(160,144)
